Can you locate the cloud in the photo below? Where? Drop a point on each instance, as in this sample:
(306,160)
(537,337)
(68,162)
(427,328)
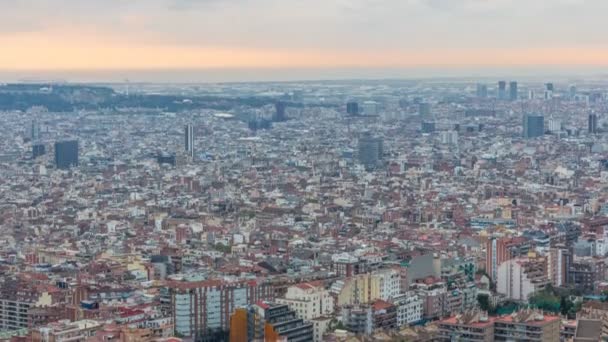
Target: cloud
(349,26)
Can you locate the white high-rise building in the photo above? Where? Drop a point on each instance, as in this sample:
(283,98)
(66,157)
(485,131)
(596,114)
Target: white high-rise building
(519,278)
(449,137)
(370,108)
(555,125)
(409,308)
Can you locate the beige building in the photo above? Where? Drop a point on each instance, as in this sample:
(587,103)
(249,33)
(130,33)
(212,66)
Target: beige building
(366,288)
(311,302)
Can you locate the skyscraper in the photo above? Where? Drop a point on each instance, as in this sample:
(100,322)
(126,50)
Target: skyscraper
(502,90)
(279,115)
(592,123)
(35,130)
(428,127)
(482,91)
(189,140)
(370,150)
(424,109)
(66,154)
(513,91)
(533,126)
(38,150)
(352,108)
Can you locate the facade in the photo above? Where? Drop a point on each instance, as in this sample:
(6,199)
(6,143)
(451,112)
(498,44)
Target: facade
(433,296)
(370,150)
(311,302)
(17,303)
(352,108)
(585,273)
(66,154)
(203,306)
(66,331)
(384,315)
(409,308)
(592,123)
(519,278)
(279,115)
(428,127)
(558,265)
(365,288)
(513,91)
(482,91)
(533,126)
(370,108)
(424,109)
(469,326)
(527,325)
(499,250)
(38,150)
(502,90)
(281,324)
(358,319)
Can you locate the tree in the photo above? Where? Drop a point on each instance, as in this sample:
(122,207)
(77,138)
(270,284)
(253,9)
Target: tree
(546,301)
(484,302)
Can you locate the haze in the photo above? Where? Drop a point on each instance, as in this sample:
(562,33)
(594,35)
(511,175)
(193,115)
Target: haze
(71,37)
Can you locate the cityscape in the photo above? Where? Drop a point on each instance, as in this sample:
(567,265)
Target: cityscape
(305,211)
(303,171)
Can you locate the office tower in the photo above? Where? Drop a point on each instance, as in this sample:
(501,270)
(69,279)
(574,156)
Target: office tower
(38,150)
(549,89)
(35,130)
(482,91)
(279,115)
(428,127)
(424,109)
(189,140)
(513,91)
(533,126)
(572,92)
(449,137)
(352,108)
(370,150)
(502,90)
(66,154)
(370,108)
(555,125)
(592,123)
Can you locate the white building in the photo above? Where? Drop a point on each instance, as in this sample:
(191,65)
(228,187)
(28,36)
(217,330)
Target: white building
(311,302)
(449,137)
(370,108)
(409,308)
(389,283)
(519,278)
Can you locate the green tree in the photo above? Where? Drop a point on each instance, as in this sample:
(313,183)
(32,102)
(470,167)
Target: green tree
(484,302)
(546,301)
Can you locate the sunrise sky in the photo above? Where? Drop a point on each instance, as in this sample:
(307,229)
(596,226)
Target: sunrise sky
(55,35)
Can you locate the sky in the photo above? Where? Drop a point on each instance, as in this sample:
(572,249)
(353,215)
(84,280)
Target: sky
(152,35)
